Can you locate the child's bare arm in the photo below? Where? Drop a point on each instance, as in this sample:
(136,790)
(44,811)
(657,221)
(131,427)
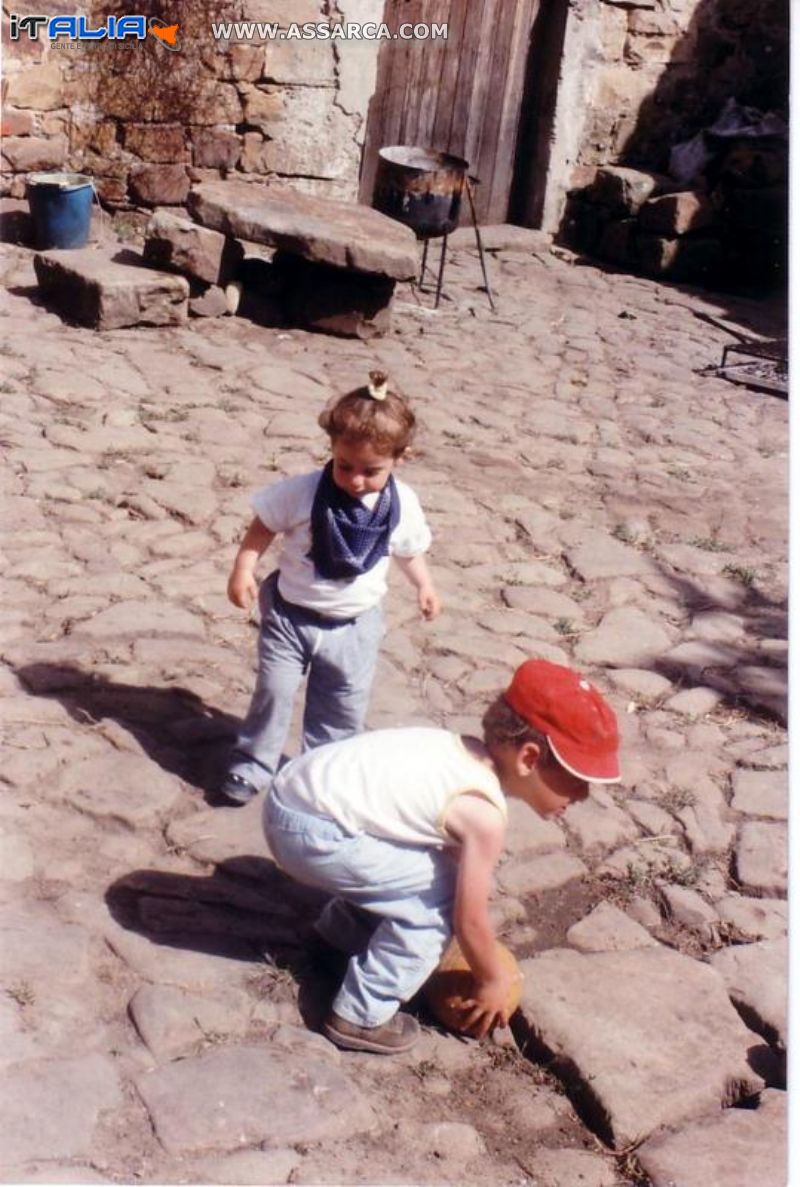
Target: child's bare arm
(242,585)
(481,830)
(416,570)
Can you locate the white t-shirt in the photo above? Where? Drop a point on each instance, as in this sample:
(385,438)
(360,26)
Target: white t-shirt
(392,783)
(286,507)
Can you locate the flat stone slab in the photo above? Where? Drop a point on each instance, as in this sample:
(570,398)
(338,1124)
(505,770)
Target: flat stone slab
(108,293)
(758,918)
(321,230)
(738,1148)
(761,793)
(756,977)
(50,1107)
(650,1036)
(243,1096)
(598,824)
(608,929)
(122,787)
(625,638)
(533,874)
(762,858)
(600,556)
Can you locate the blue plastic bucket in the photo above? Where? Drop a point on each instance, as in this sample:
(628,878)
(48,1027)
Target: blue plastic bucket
(61,208)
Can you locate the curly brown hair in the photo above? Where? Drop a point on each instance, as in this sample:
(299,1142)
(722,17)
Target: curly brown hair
(374,413)
(503,726)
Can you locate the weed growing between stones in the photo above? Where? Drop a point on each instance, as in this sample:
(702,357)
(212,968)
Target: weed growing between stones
(709,544)
(22,992)
(742,573)
(622,532)
(565,627)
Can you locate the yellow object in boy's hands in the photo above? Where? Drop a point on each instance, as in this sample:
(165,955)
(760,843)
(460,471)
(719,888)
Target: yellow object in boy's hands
(452,985)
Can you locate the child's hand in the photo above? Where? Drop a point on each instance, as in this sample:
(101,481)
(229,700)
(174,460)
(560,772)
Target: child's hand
(428,601)
(489,1007)
(242,587)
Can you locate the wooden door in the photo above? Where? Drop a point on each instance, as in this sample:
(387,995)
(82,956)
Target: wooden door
(462,95)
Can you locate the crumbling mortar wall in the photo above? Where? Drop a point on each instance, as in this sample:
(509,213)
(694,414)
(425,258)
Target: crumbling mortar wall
(146,122)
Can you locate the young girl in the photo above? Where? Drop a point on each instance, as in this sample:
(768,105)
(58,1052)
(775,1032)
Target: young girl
(321,610)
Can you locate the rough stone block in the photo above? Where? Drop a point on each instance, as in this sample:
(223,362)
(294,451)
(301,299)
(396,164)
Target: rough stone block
(107,293)
(649,1035)
(761,793)
(174,242)
(762,858)
(211,303)
(18,123)
(676,214)
(300,63)
(756,977)
(28,154)
(215,148)
(157,143)
(321,230)
(159,185)
(680,259)
(334,300)
(621,189)
(734,1148)
(618,241)
(251,1095)
(38,87)
(584,223)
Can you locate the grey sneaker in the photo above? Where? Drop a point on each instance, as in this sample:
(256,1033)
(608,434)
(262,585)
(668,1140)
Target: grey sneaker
(237,790)
(391,1038)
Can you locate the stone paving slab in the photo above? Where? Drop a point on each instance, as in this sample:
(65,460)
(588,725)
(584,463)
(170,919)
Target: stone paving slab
(762,858)
(321,230)
(50,1108)
(737,1148)
(248,1095)
(650,1034)
(756,977)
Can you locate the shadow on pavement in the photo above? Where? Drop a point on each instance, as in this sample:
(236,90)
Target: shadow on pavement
(178,730)
(246,910)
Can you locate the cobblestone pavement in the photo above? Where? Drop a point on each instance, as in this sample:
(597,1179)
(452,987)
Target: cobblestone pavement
(595,501)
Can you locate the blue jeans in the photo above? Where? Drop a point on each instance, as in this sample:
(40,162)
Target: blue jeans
(339,658)
(392,910)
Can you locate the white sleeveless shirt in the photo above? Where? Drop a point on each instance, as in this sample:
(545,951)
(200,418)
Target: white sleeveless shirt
(391,783)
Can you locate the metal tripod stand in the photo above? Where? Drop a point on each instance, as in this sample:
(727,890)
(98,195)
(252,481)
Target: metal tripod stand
(443,256)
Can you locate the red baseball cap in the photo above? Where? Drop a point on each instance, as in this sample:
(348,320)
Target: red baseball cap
(577,721)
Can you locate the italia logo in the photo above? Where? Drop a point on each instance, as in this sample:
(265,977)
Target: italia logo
(78,28)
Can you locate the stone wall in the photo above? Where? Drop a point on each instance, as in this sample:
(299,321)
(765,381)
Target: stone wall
(146,121)
(643,76)
(662,69)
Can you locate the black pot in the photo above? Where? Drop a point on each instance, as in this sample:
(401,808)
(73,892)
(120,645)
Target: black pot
(421,188)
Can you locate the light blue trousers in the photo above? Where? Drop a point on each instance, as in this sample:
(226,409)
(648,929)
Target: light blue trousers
(340,661)
(392,910)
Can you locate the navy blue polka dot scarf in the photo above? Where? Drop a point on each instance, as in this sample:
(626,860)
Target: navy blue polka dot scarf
(347,538)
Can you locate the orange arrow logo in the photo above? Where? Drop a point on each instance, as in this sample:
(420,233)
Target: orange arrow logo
(166,33)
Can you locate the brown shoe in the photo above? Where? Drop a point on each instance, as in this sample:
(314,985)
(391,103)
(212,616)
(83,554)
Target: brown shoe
(391,1038)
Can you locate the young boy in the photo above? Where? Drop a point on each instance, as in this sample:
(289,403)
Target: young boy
(404,827)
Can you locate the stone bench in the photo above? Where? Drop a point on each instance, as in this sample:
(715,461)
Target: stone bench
(336,262)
